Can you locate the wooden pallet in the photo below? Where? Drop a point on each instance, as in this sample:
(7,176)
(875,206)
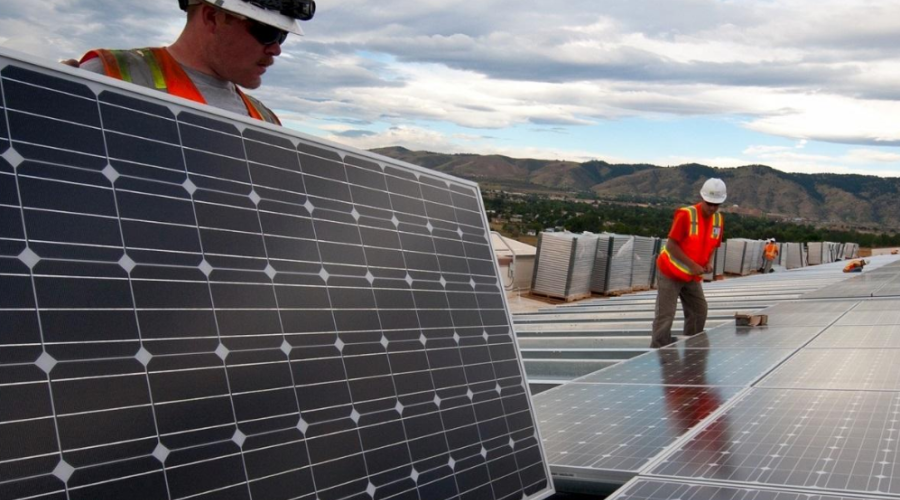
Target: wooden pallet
(571,298)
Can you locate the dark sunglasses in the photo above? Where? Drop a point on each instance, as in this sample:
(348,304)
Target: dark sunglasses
(265,34)
(711,204)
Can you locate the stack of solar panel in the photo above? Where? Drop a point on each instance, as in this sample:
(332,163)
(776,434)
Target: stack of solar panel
(612,263)
(822,252)
(816,249)
(734,255)
(835,250)
(621,264)
(851,251)
(755,251)
(564,264)
(644,263)
(600,273)
(793,255)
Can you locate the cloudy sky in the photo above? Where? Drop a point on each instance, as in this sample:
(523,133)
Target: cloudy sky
(800,85)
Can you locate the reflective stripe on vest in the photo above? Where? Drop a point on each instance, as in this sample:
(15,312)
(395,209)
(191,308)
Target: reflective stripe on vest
(692,212)
(675,262)
(716,229)
(168,76)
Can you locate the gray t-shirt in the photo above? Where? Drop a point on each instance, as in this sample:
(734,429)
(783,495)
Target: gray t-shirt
(219,93)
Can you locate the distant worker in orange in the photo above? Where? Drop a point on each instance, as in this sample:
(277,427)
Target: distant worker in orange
(771,253)
(695,234)
(855,266)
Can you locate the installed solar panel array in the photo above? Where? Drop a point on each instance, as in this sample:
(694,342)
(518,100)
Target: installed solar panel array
(739,411)
(824,424)
(200,307)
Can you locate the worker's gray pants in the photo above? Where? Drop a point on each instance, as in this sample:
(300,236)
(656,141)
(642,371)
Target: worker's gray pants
(693,305)
(767,265)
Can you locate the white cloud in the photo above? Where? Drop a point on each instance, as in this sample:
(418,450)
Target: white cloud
(805,70)
(872,156)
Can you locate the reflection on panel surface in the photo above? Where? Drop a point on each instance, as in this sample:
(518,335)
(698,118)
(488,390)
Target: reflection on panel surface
(619,427)
(833,440)
(677,365)
(198,307)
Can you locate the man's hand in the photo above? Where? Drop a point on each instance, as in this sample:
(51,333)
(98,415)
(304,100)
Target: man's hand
(696,269)
(708,268)
(70,62)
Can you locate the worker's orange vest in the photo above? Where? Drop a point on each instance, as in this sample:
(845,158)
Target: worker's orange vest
(168,76)
(703,237)
(771,251)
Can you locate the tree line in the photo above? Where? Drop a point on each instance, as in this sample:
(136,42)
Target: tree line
(539,213)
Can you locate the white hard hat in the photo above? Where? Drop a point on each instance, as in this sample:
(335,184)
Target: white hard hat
(282,14)
(713,191)
(773,240)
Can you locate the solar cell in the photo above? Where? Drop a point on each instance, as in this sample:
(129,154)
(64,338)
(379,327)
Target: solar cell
(198,306)
(838,441)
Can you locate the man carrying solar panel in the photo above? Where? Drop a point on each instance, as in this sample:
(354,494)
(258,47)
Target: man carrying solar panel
(225,44)
(695,234)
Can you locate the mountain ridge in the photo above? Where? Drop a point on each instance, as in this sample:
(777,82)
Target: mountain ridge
(849,199)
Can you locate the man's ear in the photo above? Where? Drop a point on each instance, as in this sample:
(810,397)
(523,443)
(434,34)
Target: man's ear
(209,17)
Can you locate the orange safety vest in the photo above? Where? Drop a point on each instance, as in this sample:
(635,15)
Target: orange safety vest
(169,77)
(704,235)
(771,251)
(853,265)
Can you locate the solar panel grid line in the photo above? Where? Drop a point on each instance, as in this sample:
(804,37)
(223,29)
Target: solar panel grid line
(212,196)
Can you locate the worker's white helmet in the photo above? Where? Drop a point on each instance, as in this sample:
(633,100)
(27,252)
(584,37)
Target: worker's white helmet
(773,240)
(713,191)
(282,14)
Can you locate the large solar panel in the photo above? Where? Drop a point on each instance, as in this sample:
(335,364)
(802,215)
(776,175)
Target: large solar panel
(201,306)
(873,312)
(656,489)
(607,432)
(849,337)
(840,441)
(848,369)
